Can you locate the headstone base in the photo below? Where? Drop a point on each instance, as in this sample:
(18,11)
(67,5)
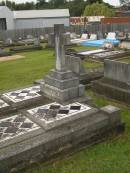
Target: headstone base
(113,89)
(62,86)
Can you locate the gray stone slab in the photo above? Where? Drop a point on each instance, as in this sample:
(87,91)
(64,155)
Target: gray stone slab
(4,108)
(113,113)
(15,129)
(118,71)
(115,54)
(3,104)
(75,64)
(61,95)
(54,114)
(62,84)
(61,75)
(59,47)
(51,129)
(86,130)
(22,97)
(116,81)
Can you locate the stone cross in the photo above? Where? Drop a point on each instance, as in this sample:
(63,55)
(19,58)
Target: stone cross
(59,47)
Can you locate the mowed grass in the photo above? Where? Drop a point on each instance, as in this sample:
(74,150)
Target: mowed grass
(35,65)
(127,59)
(23,72)
(111,156)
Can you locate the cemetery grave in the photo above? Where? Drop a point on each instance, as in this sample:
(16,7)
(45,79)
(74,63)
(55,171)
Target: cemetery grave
(38,131)
(4,53)
(47,120)
(22,97)
(116,81)
(25,48)
(115,54)
(102,54)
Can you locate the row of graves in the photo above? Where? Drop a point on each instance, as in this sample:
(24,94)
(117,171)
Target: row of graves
(99,55)
(29,44)
(55,116)
(75,61)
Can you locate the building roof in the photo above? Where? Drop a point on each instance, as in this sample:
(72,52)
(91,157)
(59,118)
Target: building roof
(4,8)
(25,14)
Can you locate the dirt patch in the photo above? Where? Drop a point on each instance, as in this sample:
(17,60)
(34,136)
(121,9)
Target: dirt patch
(11,58)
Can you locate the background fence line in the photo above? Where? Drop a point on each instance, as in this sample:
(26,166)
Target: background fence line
(22,33)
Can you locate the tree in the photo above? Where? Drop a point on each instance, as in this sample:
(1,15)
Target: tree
(2,3)
(94,1)
(57,3)
(97,9)
(76,7)
(41,4)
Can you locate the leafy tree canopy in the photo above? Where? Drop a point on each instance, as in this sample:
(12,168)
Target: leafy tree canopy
(98,9)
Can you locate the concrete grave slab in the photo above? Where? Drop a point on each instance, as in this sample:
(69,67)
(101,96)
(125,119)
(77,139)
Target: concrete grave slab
(91,52)
(4,108)
(15,128)
(24,96)
(3,104)
(115,54)
(116,81)
(23,142)
(54,114)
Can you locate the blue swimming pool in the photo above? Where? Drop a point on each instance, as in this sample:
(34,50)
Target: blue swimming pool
(100,42)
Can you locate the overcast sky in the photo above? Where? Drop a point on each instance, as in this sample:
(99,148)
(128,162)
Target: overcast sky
(113,2)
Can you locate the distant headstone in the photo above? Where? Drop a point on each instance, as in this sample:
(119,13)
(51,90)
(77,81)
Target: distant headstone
(42,37)
(99,35)
(75,64)
(30,37)
(1,51)
(51,42)
(8,41)
(46,36)
(67,39)
(36,42)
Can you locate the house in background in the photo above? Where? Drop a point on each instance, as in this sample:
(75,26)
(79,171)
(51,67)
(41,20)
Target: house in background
(123,11)
(10,20)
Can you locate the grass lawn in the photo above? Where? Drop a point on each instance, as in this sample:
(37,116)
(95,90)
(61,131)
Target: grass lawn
(112,156)
(24,72)
(126,60)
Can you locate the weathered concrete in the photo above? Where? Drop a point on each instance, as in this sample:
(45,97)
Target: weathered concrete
(75,64)
(61,84)
(44,143)
(66,39)
(116,81)
(118,71)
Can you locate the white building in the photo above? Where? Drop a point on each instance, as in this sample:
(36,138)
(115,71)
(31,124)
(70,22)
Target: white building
(25,19)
